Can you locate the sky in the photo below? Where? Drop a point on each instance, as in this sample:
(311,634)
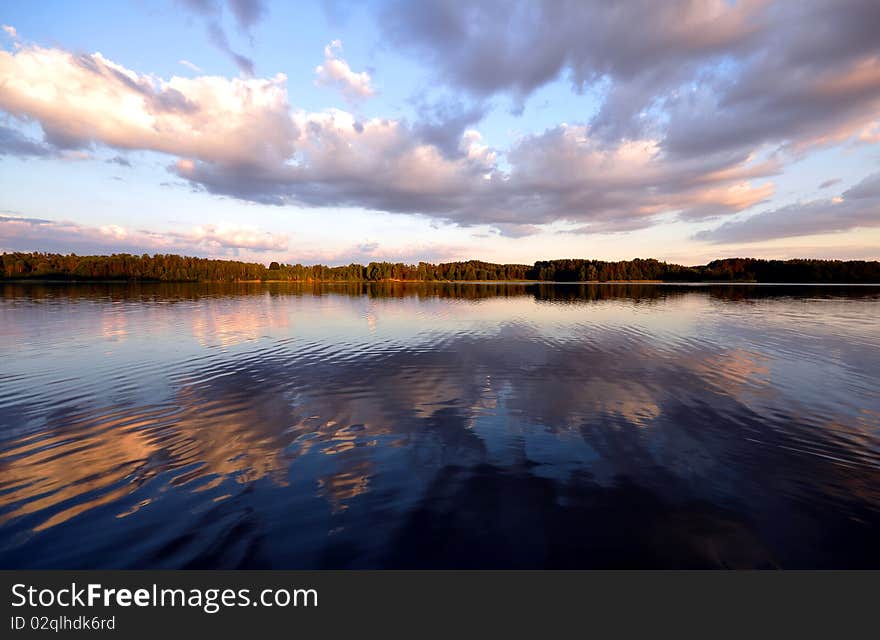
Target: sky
(339,132)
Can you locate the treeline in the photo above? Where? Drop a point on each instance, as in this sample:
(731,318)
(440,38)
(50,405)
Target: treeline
(573,293)
(726,270)
(174,268)
(123,266)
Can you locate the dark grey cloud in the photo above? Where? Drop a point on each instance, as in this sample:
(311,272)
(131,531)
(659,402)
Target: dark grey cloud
(246,13)
(443,122)
(218,39)
(813,77)
(553,176)
(513,230)
(867,189)
(37,221)
(120,160)
(205,7)
(854,208)
(170,100)
(57,136)
(516,47)
(703,76)
(15,143)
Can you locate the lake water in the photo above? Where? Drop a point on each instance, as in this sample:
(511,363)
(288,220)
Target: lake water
(349,426)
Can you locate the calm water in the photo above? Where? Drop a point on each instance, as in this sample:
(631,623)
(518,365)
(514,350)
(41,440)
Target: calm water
(171,426)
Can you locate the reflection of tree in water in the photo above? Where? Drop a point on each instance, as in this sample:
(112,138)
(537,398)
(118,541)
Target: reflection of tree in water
(171,292)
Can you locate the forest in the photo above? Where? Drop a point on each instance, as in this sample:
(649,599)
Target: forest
(174,268)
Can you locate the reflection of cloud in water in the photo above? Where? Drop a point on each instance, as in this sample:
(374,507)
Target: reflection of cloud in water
(339,488)
(53,475)
(114,325)
(238,320)
(581,441)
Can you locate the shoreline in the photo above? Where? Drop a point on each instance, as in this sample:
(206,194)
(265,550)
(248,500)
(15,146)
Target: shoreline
(445,282)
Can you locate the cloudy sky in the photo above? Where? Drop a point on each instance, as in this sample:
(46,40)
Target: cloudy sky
(508,131)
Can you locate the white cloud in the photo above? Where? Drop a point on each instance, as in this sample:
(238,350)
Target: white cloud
(234,236)
(81,99)
(190,65)
(335,72)
(10,31)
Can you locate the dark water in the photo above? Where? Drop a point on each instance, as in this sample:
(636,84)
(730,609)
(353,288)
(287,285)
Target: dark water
(173,426)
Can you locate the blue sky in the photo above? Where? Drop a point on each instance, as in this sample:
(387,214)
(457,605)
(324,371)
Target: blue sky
(507,131)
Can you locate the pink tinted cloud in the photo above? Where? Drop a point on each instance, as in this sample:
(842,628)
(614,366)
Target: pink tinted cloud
(335,72)
(19,233)
(241,137)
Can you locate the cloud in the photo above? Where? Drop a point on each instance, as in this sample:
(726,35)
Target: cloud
(120,160)
(514,230)
(516,47)
(231,236)
(10,31)
(241,137)
(81,100)
(783,252)
(698,114)
(14,143)
(830,183)
(813,78)
(854,208)
(443,123)
(370,251)
(707,76)
(190,65)
(335,72)
(219,40)
(205,7)
(22,219)
(246,13)
(35,234)
(18,233)
(565,174)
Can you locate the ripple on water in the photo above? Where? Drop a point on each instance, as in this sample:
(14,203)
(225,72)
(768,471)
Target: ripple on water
(282,427)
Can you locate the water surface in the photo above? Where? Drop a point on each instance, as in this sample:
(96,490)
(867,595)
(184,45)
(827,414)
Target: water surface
(350,426)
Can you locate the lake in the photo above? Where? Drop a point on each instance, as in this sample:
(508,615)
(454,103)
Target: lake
(439,426)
